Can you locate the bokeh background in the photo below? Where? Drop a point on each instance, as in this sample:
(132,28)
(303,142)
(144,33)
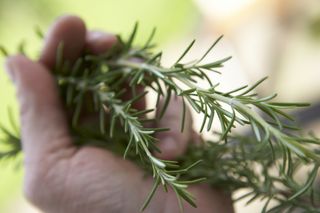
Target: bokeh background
(275,38)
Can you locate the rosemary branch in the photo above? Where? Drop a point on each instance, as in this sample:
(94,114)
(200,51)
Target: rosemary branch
(96,84)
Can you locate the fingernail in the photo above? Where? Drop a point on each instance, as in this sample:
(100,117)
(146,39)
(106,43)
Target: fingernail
(95,35)
(10,69)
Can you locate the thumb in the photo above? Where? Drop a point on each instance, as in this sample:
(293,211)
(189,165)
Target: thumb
(174,143)
(43,123)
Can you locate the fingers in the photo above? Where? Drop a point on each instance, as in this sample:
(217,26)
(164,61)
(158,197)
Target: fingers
(173,143)
(44,127)
(69,30)
(98,42)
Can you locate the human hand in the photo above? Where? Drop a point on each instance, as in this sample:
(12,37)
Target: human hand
(61,177)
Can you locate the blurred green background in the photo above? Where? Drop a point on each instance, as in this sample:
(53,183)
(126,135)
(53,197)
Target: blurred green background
(278,38)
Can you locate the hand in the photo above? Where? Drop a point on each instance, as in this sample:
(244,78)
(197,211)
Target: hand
(60,177)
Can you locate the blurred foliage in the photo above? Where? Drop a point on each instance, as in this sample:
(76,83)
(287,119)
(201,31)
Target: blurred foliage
(314,27)
(10,182)
(31,9)
(169,17)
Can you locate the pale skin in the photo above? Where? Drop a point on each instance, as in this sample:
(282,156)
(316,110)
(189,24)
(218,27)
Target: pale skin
(60,177)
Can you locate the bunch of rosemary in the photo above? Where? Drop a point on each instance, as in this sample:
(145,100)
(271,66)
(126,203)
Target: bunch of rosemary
(265,162)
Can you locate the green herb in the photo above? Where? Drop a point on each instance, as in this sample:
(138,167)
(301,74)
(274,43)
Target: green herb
(96,84)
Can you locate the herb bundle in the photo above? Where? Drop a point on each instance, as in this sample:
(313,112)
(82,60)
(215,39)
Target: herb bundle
(265,162)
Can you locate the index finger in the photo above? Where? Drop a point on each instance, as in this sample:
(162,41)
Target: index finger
(69,30)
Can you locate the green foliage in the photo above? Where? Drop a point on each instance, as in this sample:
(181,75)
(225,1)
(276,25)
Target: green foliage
(245,164)
(96,84)
(314,27)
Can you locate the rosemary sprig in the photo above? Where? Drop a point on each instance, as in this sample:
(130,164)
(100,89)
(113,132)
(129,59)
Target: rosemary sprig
(209,101)
(95,84)
(244,164)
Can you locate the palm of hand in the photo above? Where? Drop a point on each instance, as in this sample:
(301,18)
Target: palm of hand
(63,178)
